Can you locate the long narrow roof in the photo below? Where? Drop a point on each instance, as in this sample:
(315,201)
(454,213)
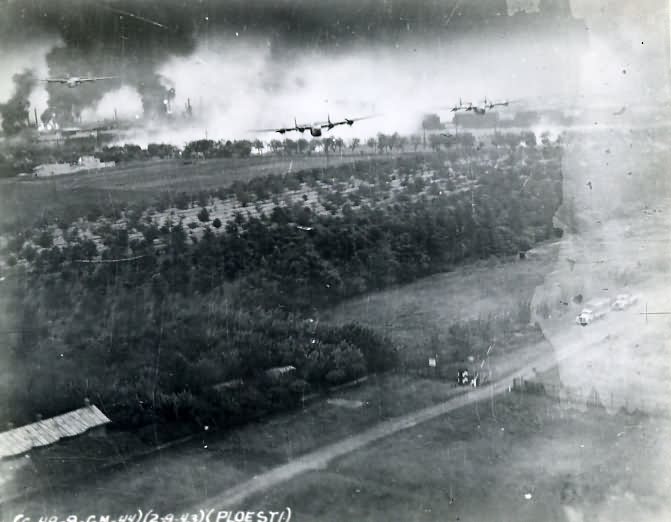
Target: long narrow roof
(42,433)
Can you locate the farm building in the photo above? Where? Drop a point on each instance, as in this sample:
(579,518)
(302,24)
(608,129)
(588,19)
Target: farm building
(19,441)
(84,163)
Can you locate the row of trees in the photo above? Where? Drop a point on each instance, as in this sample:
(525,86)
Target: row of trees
(23,156)
(381,143)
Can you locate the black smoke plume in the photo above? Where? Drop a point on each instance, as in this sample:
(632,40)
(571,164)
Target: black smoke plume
(15,112)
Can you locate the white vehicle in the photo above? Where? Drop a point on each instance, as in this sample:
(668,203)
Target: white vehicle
(623,301)
(585,317)
(593,310)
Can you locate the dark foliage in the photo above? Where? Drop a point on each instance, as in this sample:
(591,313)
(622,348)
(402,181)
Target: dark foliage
(188,316)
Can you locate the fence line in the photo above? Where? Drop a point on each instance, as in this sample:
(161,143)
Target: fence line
(591,398)
(573,395)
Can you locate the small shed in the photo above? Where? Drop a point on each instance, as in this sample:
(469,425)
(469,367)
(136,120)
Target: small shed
(280,371)
(233,384)
(21,440)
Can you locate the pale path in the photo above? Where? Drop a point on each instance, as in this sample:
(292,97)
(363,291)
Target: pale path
(574,341)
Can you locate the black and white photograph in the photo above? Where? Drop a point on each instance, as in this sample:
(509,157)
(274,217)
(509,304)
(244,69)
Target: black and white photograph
(335,260)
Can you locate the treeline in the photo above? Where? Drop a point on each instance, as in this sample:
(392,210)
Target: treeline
(24,156)
(190,360)
(193,149)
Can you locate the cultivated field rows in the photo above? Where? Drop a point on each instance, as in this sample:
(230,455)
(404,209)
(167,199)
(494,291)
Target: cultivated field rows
(314,196)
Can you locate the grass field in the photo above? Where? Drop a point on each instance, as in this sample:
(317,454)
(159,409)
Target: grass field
(414,314)
(167,175)
(143,181)
(213,461)
(532,460)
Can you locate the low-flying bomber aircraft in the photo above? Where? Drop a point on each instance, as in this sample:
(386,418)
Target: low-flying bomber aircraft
(75,81)
(462,107)
(481,108)
(314,128)
(488,105)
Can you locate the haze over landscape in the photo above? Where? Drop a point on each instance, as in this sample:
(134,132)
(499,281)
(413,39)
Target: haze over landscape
(443,312)
(242,71)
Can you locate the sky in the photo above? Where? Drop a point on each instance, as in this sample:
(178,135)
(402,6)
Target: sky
(260,63)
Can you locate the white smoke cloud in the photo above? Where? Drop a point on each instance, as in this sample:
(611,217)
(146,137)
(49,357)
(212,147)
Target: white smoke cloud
(126,101)
(235,85)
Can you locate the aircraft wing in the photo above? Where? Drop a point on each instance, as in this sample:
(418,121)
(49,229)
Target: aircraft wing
(332,124)
(347,121)
(362,118)
(281,130)
(56,80)
(100,78)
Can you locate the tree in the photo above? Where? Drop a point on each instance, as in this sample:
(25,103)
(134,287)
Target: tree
(45,239)
(315,143)
(290,146)
(393,141)
(329,144)
(415,141)
(372,143)
(275,145)
(382,141)
(204,147)
(303,145)
(258,145)
(203,215)
(340,144)
(242,148)
(354,143)
(529,138)
(216,223)
(435,141)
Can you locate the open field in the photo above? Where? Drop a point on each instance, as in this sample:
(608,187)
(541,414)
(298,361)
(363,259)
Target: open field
(142,181)
(190,175)
(533,460)
(415,313)
(218,461)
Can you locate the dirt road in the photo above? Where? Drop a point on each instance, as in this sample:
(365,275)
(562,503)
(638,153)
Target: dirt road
(573,341)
